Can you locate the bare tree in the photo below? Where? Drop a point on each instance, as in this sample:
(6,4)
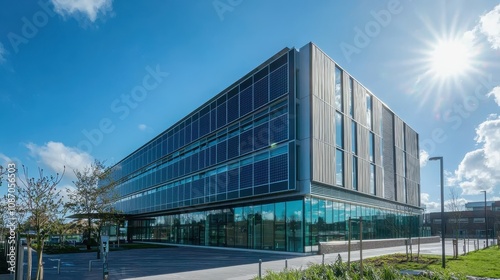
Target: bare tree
(93,198)
(455,205)
(42,202)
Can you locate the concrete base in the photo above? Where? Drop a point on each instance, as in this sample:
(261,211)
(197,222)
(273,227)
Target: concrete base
(341,246)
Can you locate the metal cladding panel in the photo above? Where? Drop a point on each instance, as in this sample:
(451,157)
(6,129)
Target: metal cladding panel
(359,104)
(378,152)
(401,184)
(388,153)
(413,193)
(323,121)
(411,139)
(323,117)
(323,163)
(379,181)
(398,132)
(412,166)
(400,165)
(322,73)
(377,115)
(363,142)
(363,176)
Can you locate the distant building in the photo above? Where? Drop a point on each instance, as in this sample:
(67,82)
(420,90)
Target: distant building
(279,160)
(469,223)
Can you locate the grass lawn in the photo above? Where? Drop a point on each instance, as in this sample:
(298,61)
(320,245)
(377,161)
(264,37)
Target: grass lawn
(482,263)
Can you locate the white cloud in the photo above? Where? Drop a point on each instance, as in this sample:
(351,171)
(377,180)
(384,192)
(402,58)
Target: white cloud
(495,92)
(434,206)
(4,159)
(2,53)
(57,156)
(88,8)
(489,25)
(145,127)
(430,206)
(478,170)
(424,158)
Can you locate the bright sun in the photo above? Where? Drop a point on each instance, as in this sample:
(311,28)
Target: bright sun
(450,58)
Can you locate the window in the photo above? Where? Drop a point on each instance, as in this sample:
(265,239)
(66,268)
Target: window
(369,111)
(479,220)
(338,88)
(372,147)
(339,168)
(354,173)
(372,180)
(339,130)
(354,139)
(351,97)
(436,221)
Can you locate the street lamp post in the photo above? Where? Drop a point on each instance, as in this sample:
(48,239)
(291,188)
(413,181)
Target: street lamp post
(485,220)
(442,209)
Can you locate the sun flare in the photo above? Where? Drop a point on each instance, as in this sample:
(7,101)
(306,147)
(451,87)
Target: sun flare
(450,58)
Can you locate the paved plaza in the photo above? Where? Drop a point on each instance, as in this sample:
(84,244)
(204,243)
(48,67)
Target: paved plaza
(200,263)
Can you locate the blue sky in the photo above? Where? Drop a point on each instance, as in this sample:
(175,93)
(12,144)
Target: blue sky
(68,68)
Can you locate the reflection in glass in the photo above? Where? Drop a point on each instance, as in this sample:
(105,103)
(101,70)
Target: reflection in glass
(294,226)
(339,130)
(339,168)
(338,89)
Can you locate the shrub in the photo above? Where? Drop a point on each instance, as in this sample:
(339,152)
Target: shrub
(340,270)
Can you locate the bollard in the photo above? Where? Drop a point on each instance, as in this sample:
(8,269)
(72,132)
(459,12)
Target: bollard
(58,265)
(323,260)
(260,268)
(286,263)
(90,264)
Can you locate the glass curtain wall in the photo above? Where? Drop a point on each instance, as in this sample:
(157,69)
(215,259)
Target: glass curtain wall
(294,226)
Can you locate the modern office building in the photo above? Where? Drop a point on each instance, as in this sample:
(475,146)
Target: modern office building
(279,160)
(471,223)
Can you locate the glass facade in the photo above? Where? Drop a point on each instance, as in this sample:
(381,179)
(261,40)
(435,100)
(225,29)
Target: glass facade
(234,146)
(226,174)
(294,226)
(338,90)
(369,102)
(339,130)
(339,175)
(373,189)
